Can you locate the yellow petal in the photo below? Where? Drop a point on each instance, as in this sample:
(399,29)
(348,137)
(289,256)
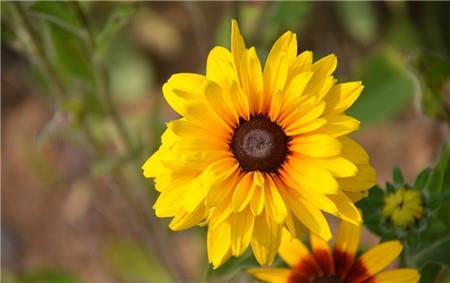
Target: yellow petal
(237,44)
(243,192)
(241,229)
(380,256)
(316,146)
(168,203)
(352,151)
(322,253)
(325,66)
(184,220)
(266,239)
(199,188)
(313,178)
(338,125)
(220,191)
(404,275)
(301,63)
(291,250)
(251,79)
(294,88)
(337,166)
(363,180)
(153,167)
(346,209)
(271,275)
(347,238)
(257,201)
(280,57)
(217,99)
(274,203)
(220,67)
(342,96)
(310,216)
(302,116)
(218,243)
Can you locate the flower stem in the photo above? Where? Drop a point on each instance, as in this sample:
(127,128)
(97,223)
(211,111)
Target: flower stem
(101,77)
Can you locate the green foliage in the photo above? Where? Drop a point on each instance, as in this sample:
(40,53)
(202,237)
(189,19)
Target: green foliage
(116,20)
(132,263)
(231,269)
(42,276)
(434,73)
(388,88)
(427,243)
(359,19)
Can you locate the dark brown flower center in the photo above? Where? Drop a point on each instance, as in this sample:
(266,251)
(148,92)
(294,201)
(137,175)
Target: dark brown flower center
(259,144)
(327,279)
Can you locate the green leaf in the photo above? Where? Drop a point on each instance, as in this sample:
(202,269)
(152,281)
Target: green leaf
(359,19)
(429,273)
(132,263)
(422,179)
(433,71)
(47,276)
(437,252)
(58,13)
(371,208)
(118,18)
(231,268)
(398,176)
(440,177)
(389,86)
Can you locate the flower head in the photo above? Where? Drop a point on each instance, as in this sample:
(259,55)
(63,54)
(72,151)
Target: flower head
(404,207)
(258,149)
(337,265)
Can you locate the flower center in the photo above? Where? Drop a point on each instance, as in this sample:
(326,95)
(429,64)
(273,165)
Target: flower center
(327,279)
(259,144)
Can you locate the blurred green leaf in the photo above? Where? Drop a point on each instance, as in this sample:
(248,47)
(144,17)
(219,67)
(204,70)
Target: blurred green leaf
(371,209)
(58,13)
(422,179)
(440,177)
(359,19)
(437,252)
(397,176)
(132,263)
(70,56)
(47,276)
(116,20)
(231,268)
(388,88)
(429,273)
(434,73)
(105,166)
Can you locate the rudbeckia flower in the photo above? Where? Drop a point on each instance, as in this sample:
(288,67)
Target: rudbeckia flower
(259,149)
(404,207)
(337,265)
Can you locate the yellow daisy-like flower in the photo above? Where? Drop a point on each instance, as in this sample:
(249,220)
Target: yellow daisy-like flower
(404,207)
(337,265)
(257,150)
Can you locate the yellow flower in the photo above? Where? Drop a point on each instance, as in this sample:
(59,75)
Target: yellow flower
(337,265)
(403,207)
(257,150)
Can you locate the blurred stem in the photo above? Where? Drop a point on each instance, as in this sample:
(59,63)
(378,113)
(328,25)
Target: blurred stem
(56,84)
(38,51)
(101,77)
(160,244)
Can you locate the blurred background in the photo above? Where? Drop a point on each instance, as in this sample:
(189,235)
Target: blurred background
(82,109)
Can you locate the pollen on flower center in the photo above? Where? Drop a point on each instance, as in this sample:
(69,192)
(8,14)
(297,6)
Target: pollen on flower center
(259,144)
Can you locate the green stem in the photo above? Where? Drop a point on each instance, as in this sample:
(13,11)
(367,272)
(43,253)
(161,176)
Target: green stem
(101,77)
(39,53)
